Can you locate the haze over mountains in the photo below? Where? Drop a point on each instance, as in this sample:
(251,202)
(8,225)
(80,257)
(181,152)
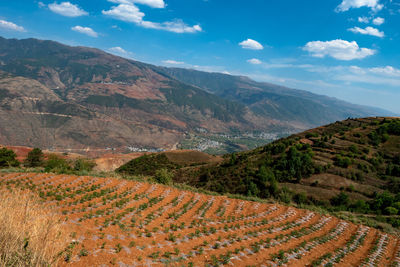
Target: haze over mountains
(57,96)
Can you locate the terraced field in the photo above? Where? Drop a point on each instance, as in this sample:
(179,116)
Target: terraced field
(128,223)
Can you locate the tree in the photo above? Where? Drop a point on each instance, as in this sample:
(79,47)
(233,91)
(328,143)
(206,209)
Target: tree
(35,158)
(253,190)
(266,176)
(8,158)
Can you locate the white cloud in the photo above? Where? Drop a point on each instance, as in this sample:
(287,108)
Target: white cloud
(338,49)
(348,4)
(6,25)
(125,12)
(251,44)
(254,61)
(368,31)
(131,13)
(173,62)
(150,3)
(177,26)
(363,19)
(67,9)
(378,21)
(85,30)
(41,4)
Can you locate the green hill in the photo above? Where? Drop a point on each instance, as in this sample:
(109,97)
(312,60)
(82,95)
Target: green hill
(350,165)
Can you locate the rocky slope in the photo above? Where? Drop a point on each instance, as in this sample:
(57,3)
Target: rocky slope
(62,97)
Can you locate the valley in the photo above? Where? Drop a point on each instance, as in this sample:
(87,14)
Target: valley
(80,99)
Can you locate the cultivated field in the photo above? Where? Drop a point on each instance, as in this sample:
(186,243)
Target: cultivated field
(128,223)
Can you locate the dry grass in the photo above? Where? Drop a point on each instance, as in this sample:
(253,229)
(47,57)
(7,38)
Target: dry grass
(31,234)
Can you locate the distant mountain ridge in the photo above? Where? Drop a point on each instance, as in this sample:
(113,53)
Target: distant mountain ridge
(279,102)
(53,95)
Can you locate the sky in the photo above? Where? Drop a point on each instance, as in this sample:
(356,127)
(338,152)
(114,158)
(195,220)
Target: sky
(348,49)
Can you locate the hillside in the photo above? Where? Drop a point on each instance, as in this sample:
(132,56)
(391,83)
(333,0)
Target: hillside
(123,102)
(78,98)
(117,222)
(298,107)
(349,165)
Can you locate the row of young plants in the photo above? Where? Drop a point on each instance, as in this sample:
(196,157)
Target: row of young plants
(377,251)
(171,238)
(228,241)
(306,246)
(356,240)
(242,252)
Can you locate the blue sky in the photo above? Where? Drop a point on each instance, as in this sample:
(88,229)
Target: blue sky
(347,49)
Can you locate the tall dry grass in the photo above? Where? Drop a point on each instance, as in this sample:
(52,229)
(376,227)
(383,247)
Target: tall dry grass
(31,234)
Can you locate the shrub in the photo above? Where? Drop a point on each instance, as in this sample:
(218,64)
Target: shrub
(391,211)
(57,164)
(163,176)
(396,205)
(343,162)
(354,149)
(300,198)
(394,128)
(342,199)
(84,165)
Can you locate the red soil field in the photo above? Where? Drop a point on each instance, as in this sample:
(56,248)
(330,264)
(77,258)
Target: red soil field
(129,223)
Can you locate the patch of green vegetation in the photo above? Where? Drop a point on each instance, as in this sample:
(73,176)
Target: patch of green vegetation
(8,158)
(35,158)
(147,165)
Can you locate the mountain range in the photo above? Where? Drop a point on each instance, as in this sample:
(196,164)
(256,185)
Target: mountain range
(57,96)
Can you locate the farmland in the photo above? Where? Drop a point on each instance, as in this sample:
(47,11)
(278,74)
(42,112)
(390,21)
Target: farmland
(132,223)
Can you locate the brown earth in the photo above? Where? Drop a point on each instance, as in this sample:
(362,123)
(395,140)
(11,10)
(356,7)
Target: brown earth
(132,223)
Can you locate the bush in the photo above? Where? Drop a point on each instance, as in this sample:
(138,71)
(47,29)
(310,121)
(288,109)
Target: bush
(343,162)
(8,158)
(396,205)
(300,198)
(164,176)
(354,149)
(85,165)
(394,128)
(360,206)
(342,199)
(35,158)
(391,211)
(57,164)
